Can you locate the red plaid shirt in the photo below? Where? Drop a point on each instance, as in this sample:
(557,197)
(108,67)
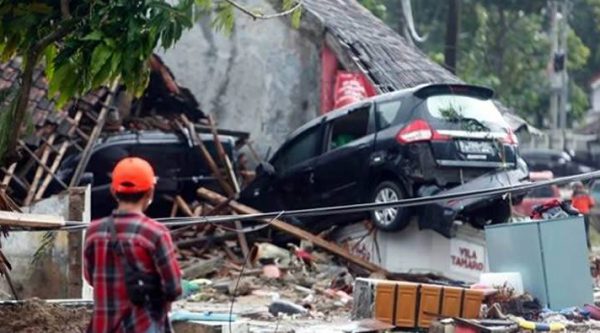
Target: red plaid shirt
(150,244)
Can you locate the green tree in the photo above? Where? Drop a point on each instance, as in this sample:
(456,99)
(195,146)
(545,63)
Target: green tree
(85,44)
(505,45)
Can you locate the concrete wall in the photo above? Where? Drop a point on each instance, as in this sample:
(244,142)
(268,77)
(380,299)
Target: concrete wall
(420,251)
(52,276)
(263,78)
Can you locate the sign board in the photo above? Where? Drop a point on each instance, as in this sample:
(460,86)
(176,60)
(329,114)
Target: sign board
(466,257)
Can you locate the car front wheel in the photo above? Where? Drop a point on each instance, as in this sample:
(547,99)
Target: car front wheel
(392,218)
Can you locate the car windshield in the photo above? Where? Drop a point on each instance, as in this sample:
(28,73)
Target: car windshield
(478,114)
(542,192)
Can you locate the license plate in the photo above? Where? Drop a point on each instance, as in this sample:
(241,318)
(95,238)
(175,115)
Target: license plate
(476,147)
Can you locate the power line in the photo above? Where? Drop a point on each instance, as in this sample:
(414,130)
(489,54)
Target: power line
(356,208)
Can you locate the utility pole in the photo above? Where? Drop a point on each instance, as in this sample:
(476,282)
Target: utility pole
(564,102)
(559,81)
(452,32)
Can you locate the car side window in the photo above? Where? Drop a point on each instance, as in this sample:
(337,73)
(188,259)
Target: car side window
(387,113)
(350,127)
(301,149)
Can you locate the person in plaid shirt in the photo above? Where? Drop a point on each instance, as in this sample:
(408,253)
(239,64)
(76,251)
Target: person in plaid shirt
(144,243)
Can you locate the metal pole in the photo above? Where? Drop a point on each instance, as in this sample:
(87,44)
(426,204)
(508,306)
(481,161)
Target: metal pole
(564,75)
(552,74)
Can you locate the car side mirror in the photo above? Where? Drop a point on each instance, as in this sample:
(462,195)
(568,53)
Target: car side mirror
(265,168)
(86,179)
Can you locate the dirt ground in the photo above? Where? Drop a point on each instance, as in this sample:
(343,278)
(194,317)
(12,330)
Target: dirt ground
(35,316)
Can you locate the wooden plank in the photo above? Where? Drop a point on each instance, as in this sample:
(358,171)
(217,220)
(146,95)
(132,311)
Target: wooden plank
(206,155)
(39,162)
(236,187)
(13,219)
(9,174)
(40,171)
(174,209)
(60,155)
(53,168)
(222,155)
(87,152)
(216,198)
(253,152)
(184,206)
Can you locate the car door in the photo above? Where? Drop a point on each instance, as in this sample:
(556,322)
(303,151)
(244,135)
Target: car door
(294,169)
(343,167)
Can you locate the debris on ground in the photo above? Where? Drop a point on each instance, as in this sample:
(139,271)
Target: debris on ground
(36,315)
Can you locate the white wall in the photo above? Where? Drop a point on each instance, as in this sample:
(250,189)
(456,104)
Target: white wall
(595,98)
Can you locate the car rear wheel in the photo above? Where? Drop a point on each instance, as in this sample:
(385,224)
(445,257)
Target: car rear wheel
(389,219)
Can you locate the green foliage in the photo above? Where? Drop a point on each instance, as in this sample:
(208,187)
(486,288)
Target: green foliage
(505,45)
(95,42)
(106,40)
(6,121)
(377,7)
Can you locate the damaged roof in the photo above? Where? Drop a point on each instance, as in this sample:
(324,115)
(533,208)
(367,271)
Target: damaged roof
(388,60)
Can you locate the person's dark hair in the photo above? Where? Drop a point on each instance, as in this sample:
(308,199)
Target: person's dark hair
(130,197)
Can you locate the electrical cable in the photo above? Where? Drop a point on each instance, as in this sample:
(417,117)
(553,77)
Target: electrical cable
(356,208)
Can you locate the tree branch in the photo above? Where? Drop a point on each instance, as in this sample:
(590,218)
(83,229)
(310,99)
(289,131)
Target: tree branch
(263,16)
(30,60)
(56,35)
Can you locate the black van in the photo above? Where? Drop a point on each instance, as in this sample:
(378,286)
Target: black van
(178,164)
(409,143)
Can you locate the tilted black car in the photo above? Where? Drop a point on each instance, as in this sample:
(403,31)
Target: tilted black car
(179,166)
(415,142)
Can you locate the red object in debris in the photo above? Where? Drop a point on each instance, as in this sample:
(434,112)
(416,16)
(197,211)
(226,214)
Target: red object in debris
(350,88)
(271,272)
(304,255)
(594,311)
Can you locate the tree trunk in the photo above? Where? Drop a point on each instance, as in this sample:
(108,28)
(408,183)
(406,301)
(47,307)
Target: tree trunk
(20,109)
(452,31)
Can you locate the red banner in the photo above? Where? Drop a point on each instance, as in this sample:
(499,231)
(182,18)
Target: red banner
(350,88)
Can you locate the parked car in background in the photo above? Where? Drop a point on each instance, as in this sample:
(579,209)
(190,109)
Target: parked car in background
(178,164)
(538,196)
(559,162)
(409,143)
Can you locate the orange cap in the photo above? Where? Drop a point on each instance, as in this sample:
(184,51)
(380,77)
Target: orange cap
(133,175)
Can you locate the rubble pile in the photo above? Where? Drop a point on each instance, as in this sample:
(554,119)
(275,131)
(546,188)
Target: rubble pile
(276,284)
(35,315)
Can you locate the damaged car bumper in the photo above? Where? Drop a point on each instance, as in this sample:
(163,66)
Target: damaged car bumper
(442,215)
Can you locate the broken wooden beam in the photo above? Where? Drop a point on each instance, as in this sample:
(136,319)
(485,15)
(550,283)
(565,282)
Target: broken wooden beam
(87,152)
(184,206)
(59,157)
(23,220)
(206,155)
(39,172)
(8,174)
(223,157)
(40,163)
(216,198)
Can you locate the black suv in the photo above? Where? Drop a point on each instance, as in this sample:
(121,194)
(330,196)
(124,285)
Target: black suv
(178,164)
(414,142)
